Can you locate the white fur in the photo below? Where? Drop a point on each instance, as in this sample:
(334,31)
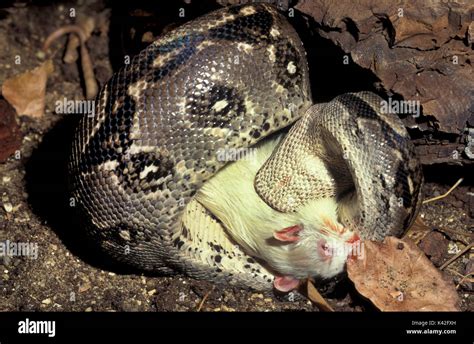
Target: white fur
(231,197)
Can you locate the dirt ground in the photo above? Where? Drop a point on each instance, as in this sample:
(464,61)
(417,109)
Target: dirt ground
(67,276)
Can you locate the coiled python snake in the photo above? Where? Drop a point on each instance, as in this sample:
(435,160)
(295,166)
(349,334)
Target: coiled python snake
(222,82)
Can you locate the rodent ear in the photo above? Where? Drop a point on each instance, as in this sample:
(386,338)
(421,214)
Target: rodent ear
(288,234)
(285,284)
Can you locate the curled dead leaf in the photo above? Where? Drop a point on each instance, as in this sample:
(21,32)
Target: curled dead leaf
(26,92)
(397,276)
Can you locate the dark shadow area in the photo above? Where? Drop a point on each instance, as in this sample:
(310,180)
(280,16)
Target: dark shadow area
(341,287)
(449,174)
(329,75)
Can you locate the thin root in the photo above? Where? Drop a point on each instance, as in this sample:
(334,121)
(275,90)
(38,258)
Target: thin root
(204,299)
(446,194)
(459,254)
(87,69)
(465,277)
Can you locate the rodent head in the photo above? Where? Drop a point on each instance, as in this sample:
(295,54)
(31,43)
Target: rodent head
(316,246)
(316,250)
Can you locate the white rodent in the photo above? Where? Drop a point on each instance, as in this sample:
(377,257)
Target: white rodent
(310,242)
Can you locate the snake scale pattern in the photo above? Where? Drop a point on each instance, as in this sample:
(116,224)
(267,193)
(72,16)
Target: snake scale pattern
(226,81)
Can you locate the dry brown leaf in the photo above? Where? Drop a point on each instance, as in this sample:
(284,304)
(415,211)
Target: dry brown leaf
(26,92)
(397,276)
(317,299)
(10,134)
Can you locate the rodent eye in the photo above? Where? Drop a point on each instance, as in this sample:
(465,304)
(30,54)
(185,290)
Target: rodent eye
(324,249)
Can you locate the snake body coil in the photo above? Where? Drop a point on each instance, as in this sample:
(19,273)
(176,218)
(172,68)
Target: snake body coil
(225,81)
